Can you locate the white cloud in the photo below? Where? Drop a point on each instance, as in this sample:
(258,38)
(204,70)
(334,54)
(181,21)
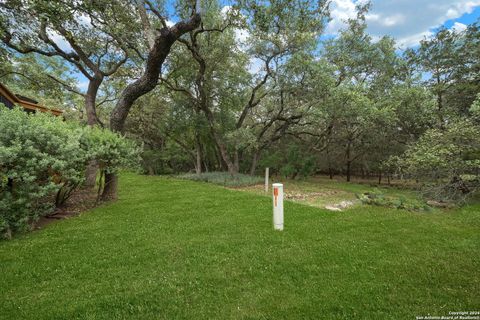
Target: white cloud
(225,10)
(84,20)
(414,39)
(393,20)
(241,35)
(255,66)
(408,21)
(459,27)
(59,40)
(83,84)
(341,11)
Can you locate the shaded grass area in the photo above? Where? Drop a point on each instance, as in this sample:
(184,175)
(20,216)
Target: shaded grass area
(174,249)
(224,178)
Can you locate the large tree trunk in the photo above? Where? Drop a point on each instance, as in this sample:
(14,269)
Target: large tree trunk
(110,188)
(91,174)
(92,120)
(349,166)
(91,100)
(198,154)
(232,169)
(222,148)
(349,162)
(253,167)
(236,159)
(205,165)
(147,82)
(220,163)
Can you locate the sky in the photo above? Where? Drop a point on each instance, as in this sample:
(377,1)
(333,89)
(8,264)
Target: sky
(408,21)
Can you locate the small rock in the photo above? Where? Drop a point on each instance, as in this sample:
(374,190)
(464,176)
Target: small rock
(345,204)
(332,208)
(339,206)
(439,204)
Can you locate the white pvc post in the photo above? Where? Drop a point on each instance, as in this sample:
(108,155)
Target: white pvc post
(278,206)
(266,180)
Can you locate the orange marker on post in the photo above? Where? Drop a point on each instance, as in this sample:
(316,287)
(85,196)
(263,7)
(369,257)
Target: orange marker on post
(275,195)
(278,206)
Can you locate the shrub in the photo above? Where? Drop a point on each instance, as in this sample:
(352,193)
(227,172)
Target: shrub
(447,160)
(110,151)
(38,154)
(42,160)
(377,198)
(224,178)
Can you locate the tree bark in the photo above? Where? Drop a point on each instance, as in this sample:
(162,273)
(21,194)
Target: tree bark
(205,165)
(92,120)
(230,165)
(253,167)
(91,100)
(146,83)
(110,188)
(198,154)
(236,160)
(222,147)
(91,174)
(349,162)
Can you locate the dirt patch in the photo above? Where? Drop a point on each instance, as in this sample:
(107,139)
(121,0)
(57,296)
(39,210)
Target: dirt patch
(81,200)
(341,205)
(309,195)
(294,193)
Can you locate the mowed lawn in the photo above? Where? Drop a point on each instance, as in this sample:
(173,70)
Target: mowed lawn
(174,249)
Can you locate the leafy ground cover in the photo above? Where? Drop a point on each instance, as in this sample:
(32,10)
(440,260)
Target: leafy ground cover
(178,249)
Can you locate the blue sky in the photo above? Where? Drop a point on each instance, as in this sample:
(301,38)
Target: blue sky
(408,21)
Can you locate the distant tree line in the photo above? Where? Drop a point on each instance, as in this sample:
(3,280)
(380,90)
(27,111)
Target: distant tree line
(252,84)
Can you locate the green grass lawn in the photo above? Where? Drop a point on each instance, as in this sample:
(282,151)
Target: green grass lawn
(177,249)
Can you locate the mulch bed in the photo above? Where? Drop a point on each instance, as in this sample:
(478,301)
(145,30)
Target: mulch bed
(81,200)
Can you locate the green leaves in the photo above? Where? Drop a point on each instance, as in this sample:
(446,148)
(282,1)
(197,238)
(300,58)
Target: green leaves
(109,149)
(448,158)
(40,154)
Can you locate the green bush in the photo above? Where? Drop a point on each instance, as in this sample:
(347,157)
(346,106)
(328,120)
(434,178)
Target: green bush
(38,154)
(447,161)
(224,178)
(42,160)
(109,149)
(377,198)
